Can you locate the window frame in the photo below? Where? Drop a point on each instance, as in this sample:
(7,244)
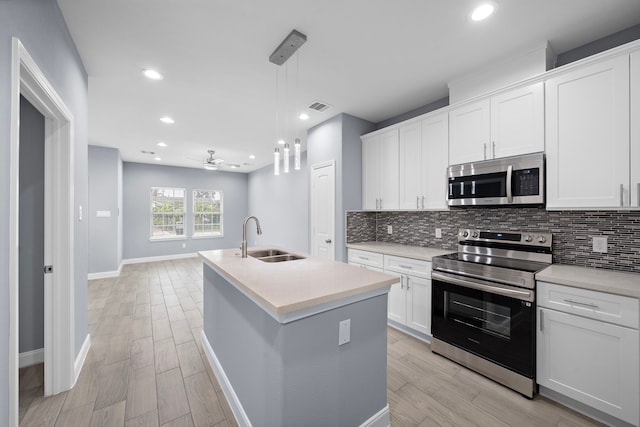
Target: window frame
(183,236)
(206,235)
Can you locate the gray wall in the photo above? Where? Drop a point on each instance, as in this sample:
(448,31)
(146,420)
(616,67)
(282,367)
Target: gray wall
(339,139)
(295,374)
(31,230)
(41,28)
(138,179)
(105,185)
(281,203)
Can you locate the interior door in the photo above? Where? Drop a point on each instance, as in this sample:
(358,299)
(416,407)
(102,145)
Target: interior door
(323,200)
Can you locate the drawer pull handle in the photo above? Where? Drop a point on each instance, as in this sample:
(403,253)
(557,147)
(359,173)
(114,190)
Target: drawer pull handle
(363,257)
(541,321)
(586,304)
(408,267)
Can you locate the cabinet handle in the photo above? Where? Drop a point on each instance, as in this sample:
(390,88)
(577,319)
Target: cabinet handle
(541,320)
(494,149)
(621,194)
(638,193)
(408,267)
(406,277)
(377,203)
(380,203)
(363,257)
(485,151)
(401,282)
(417,202)
(586,304)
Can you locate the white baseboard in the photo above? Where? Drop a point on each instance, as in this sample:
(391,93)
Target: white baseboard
(236,407)
(106,274)
(381,419)
(29,358)
(158,258)
(82,356)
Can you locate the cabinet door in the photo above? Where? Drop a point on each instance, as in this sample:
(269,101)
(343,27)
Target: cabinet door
(418,304)
(435,159)
(396,308)
(587,136)
(410,166)
(635,129)
(388,178)
(469,133)
(370,172)
(517,121)
(593,362)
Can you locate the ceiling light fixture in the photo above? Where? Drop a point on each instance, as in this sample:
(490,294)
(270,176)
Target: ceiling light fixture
(251,156)
(212,164)
(157,159)
(303,116)
(483,11)
(283,52)
(152,74)
(161,144)
(168,120)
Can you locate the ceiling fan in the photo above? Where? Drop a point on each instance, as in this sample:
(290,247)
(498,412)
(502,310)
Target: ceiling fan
(212,163)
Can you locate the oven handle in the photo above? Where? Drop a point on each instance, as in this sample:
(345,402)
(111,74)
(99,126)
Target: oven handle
(509,184)
(483,285)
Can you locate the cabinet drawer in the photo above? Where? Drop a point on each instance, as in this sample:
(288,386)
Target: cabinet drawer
(367,258)
(412,267)
(616,309)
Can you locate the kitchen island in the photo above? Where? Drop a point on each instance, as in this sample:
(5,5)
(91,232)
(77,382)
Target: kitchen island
(275,332)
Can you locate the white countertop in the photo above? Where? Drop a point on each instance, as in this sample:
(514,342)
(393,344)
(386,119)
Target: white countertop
(414,252)
(596,279)
(298,286)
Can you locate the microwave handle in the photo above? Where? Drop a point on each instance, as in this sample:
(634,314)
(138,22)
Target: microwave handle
(509,184)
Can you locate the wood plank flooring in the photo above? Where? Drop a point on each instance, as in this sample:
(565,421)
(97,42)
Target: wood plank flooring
(146,367)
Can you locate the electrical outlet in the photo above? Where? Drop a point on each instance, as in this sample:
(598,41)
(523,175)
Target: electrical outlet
(344,332)
(600,245)
(389,229)
(438,233)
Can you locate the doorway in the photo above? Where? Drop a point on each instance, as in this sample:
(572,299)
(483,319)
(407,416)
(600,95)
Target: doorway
(60,369)
(323,210)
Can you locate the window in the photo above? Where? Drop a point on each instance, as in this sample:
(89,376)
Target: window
(167,212)
(207,213)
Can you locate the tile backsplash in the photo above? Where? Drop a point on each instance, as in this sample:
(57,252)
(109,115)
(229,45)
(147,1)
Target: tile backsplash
(572,231)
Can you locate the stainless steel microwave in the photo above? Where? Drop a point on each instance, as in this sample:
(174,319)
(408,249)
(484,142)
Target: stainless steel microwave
(517,180)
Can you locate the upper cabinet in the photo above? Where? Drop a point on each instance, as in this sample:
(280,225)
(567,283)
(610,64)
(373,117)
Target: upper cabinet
(635,129)
(380,171)
(506,124)
(423,163)
(587,136)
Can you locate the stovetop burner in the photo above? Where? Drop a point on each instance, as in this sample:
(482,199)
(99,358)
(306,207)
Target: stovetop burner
(510,263)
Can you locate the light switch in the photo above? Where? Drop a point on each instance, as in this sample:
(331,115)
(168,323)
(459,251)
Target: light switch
(344,332)
(103,214)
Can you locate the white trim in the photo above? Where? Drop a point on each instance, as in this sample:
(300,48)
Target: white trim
(30,358)
(236,407)
(82,356)
(158,258)
(382,418)
(167,238)
(105,274)
(59,347)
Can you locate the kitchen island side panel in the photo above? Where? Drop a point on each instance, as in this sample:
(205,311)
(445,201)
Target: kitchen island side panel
(296,374)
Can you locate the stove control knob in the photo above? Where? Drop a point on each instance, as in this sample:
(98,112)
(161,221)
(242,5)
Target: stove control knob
(474,234)
(465,234)
(528,238)
(541,239)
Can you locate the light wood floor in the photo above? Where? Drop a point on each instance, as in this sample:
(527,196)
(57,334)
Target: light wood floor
(146,368)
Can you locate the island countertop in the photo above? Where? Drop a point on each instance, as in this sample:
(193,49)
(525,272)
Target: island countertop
(299,288)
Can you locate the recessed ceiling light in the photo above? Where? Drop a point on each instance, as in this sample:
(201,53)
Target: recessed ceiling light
(281,141)
(152,74)
(483,11)
(252,156)
(167,120)
(161,144)
(303,116)
(157,159)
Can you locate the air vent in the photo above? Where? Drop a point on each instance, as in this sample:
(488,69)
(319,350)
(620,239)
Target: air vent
(319,106)
(148,152)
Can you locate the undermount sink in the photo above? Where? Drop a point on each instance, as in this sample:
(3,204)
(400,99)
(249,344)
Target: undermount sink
(273,255)
(266,252)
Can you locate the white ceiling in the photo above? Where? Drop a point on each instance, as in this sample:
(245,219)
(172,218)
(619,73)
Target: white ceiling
(373,59)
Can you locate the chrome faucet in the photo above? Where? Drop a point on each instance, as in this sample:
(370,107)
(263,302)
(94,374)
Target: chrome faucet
(244,234)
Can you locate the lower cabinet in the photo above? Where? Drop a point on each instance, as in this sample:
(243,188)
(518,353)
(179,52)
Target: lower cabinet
(579,355)
(409,299)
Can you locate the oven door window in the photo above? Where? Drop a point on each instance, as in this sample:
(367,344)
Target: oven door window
(492,326)
(478,186)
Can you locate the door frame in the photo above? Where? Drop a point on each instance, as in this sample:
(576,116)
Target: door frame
(331,163)
(59,311)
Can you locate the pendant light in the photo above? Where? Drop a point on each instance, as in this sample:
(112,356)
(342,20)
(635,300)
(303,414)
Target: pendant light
(296,154)
(285,160)
(276,162)
(296,145)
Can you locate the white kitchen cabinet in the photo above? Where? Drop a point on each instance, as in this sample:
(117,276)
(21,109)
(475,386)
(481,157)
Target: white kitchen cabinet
(587,136)
(380,176)
(506,124)
(423,163)
(585,358)
(635,129)
(365,259)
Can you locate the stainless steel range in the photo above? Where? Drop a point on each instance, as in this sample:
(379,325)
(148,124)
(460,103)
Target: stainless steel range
(483,304)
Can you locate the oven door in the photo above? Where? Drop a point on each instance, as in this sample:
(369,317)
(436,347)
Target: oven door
(493,321)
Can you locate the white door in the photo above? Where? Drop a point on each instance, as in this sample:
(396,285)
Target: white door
(323,201)
(418,303)
(397,302)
